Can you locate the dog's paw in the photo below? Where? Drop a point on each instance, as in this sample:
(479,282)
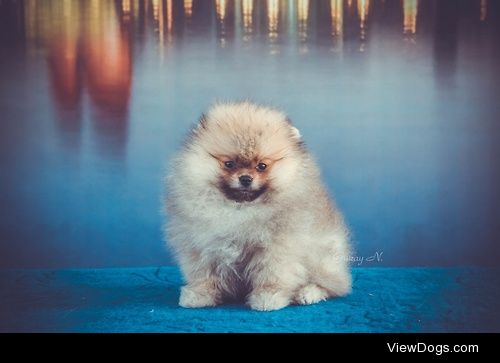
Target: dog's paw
(194,298)
(268,300)
(310,294)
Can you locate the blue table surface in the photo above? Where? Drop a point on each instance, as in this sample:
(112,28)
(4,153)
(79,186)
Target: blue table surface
(145,300)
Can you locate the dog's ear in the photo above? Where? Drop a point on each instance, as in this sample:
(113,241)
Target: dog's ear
(295,133)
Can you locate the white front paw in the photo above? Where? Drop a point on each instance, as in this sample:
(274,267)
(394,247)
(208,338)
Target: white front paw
(268,300)
(310,294)
(196,298)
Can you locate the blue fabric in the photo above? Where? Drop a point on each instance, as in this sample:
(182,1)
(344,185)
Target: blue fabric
(145,300)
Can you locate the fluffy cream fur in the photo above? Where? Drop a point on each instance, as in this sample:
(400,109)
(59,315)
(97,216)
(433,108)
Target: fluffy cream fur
(289,245)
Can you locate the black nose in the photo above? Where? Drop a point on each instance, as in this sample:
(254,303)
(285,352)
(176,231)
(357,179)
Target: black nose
(246,180)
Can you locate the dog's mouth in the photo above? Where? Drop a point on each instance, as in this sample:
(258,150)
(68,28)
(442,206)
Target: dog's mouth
(241,195)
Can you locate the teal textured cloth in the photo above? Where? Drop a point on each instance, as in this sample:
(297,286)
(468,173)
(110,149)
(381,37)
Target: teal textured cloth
(145,300)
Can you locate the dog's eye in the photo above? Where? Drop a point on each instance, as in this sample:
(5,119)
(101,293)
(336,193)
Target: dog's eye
(261,167)
(229,164)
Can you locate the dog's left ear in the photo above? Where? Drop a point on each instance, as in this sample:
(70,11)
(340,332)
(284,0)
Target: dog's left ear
(296,133)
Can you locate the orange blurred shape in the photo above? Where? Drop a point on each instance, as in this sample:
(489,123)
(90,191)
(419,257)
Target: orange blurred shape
(64,72)
(109,72)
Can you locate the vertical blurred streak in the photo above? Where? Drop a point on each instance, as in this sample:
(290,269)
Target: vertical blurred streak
(363,9)
(108,73)
(410,12)
(303,17)
(220,12)
(134,9)
(170,20)
(337,15)
(162,10)
(158,15)
(303,10)
(57,26)
(126,10)
(60,33)
(156,9)
(188,8)
(483,10)
(337,19)
(247,10)
(107,60)
(272,19)
(220,9)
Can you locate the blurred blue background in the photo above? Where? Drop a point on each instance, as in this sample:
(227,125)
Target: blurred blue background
(398,101)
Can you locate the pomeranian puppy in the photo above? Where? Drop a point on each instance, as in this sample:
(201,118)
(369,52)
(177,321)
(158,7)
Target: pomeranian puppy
(249,216)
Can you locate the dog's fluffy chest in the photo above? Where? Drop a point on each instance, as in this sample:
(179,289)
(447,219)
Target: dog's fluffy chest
(233,265)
